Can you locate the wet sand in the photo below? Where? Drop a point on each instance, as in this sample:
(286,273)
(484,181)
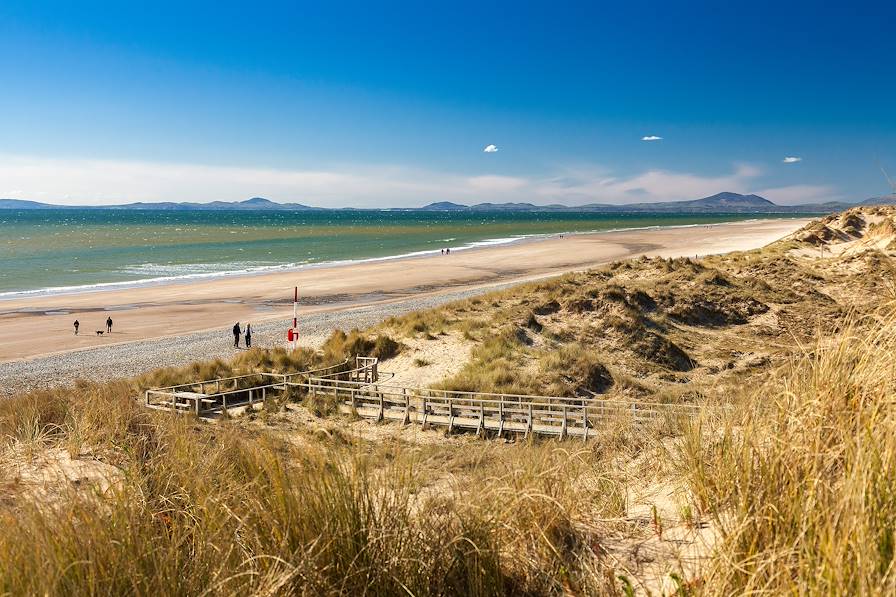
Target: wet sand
(36,326)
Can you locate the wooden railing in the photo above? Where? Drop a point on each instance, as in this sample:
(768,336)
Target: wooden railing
(359,392)
(322,372)
(365,371)
(217,395)
(550,415)
(233,383)
(200,403)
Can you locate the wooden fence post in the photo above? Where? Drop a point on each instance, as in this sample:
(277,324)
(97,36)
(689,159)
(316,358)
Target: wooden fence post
(481,427)
(379,416)
(584,423)
(529,422)
(563,426)
(501,416)
(407,407)
(450,415)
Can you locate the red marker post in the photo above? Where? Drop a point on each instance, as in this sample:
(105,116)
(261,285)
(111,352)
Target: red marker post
(292,335)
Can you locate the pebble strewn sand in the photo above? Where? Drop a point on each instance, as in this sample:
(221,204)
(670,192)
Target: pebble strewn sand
(126,360)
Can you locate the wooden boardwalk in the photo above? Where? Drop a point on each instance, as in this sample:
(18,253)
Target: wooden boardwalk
(214,396)
(357,389)
(481,412)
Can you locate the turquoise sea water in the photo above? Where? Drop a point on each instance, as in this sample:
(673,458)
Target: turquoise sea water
(49,251)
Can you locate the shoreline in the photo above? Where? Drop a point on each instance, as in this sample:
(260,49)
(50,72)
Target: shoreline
(484,244)
(40,327)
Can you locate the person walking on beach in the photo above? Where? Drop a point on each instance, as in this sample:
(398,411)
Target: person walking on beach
(77,325)
(248,336)
(109,325)
(236,335)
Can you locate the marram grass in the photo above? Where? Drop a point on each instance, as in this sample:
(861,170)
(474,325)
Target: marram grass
(803,481)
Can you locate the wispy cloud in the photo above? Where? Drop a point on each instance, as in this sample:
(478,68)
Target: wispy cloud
(490,149)
(792,159)
(652,185)
(96,182)
(801,193)
(651,138)
(500,184)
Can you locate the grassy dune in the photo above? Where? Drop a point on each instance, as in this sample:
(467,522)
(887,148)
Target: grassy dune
(792,481)
(669,330)
(226,509)
(804,487)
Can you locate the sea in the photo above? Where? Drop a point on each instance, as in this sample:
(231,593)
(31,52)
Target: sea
(54,251)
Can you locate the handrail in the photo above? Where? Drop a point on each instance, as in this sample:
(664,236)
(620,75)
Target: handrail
(218,380)
(326,383)
(244,376)
(178,396)
(311,372)
(162,392)
(370,366)
(483,412)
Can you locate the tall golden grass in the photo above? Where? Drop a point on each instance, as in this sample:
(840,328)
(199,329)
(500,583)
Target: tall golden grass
(802,480)
(800,477)
(197,509)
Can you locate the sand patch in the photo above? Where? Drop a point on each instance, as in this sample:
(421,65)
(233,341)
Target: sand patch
(426,362)
(48,474)
(671,545)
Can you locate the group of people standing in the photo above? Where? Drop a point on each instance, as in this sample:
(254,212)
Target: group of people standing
(237,332)
(77,325)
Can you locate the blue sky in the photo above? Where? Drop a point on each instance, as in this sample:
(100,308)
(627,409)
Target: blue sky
(392,104)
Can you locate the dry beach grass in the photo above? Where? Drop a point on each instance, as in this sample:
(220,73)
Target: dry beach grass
(788,489)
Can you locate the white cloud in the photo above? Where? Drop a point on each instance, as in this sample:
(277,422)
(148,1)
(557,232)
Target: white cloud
(792,160)
(490,149)
(97,182)
(653,185)
(497,183)
(800,193)
(651,138)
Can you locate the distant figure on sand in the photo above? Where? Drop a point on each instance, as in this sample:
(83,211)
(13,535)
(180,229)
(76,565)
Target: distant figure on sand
(236,335)
(248,336)
(77,325)
(109,325)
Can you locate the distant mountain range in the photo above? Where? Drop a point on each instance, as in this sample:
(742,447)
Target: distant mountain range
(256,203)
(719,203)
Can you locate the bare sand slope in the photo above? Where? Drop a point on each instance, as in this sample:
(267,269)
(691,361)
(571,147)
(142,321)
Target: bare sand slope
(43,325)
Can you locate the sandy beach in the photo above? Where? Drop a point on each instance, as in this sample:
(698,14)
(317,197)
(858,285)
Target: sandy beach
(176,323)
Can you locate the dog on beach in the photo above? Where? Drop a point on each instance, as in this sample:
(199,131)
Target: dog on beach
(99,332)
